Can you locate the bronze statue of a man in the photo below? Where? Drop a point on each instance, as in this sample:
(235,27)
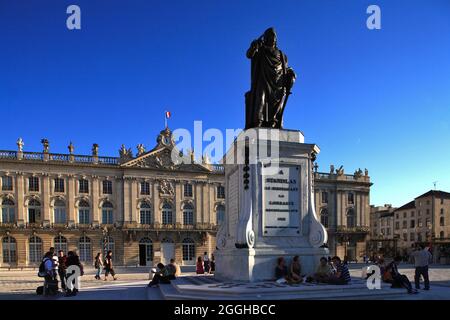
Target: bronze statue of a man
(271,83)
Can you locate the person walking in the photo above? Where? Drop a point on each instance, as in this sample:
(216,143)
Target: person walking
(422,258)
(98,265)
(62,266)
(108,265)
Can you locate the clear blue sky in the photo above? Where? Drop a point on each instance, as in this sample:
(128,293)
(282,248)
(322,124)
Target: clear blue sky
(370,99)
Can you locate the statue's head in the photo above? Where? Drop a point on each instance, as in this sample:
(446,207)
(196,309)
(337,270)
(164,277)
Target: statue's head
(270,37)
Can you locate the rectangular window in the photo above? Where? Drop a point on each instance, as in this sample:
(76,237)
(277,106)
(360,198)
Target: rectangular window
(351,198)
(388,231)
(419,223)
(404,214)
(107,216)
(33,184)
(146,216)
(188,190)
(84,186)
(397,225)
(324,197)
(405,224)
(412,214)
(60,215)
(428,222)
(405,237)
(441,221)
(107,187)
(412,224)
(83,216)
(221,192)
(442,200)
(412,237)
(145,188)
(428,211)
(442,211)
(418,213)
(59,185)
(8,214)
(7,183)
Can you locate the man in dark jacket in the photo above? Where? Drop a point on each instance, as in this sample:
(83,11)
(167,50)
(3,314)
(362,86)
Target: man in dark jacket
(62,265)
(73,260)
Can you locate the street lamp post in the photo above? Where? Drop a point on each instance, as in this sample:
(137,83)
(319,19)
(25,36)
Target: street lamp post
(105,239)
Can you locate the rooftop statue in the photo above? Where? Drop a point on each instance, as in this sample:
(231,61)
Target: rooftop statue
(271,82)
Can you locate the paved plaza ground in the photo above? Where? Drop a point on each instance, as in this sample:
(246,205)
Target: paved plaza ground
(131,284)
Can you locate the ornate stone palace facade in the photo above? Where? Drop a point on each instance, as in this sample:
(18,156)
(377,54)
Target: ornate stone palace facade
(144,208)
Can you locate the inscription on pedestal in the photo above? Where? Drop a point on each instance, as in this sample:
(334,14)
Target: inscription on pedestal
(281,201)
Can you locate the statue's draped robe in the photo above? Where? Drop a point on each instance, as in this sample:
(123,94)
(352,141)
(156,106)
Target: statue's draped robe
(266,94)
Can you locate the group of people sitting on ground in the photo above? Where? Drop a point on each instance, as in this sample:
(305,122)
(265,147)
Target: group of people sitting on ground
(390,274)
(163,274)
(331,271)
(206,265)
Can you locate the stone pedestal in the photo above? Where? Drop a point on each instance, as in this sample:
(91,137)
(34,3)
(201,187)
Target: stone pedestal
(269,206)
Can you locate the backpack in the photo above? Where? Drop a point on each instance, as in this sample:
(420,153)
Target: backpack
(42,273)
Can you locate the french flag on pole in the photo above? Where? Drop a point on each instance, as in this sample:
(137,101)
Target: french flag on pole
(167,114)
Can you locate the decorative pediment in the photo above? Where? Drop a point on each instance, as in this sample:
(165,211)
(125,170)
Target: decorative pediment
(164,156)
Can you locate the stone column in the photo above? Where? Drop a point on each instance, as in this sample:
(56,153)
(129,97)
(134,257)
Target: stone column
(156,214)
(119,215)
(45,199)
(212,212)
(198,203)
(338,208)
(343,207)
(177,203)
(205,202)
(133,201)
(126,199)
(359,208)
(96,218)
(71,200)
(20,205)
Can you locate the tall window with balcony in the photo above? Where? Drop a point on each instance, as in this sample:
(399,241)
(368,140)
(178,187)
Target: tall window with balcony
(33,184)
(188,215)
(107,187)
(187,190)
(83,186)
(167,214)
(7,183)
(107,213)
(35,249)
(145,188)
(59,185)
(8,211)
(220,192)
(145,213)
(59,212)
(351,219)
(220,214)
(34,211)
(324,217)
(83,212)
(9,249)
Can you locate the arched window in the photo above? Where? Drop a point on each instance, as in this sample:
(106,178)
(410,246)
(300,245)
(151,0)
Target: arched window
(85,249)
(59,212)
(83,212)
(188,214)
(107,244)
(8,211)
(220,214)
(35,249)
(351,221)
(107,213)
(188,251)
(145,213)
(34,211)
(324,217)
(9,249)
(167,214)
(60,244)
